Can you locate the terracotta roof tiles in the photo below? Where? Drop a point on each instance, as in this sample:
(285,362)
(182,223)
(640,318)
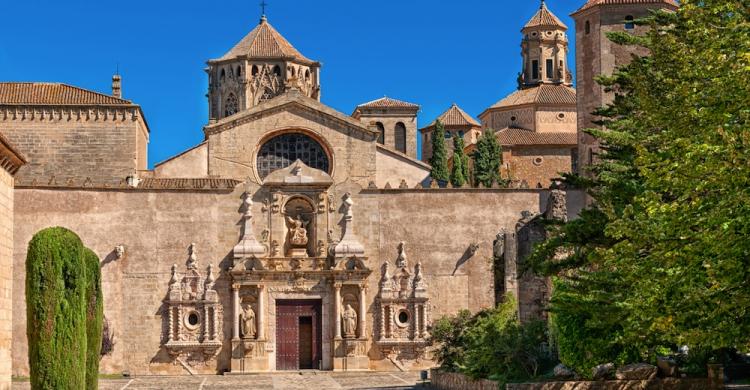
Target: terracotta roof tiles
(386,102)
(187,184)
(545,18)
(541,94)
(455,116)
(54,94)
(264,42)
(593,3)
(522,137)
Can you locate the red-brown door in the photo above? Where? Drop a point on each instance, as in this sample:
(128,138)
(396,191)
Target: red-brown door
(298,334)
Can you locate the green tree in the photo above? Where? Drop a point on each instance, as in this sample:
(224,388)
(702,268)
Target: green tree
(662,258)
(460,169)
(94,318)
(56,310)
(488,158)
(439,159)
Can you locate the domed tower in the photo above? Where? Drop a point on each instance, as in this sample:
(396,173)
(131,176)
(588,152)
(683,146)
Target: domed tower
(545,50)
(258,68)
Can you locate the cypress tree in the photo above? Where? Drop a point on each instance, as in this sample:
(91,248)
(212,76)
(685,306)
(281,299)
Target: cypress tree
(459,174)
(56,310)
(488,158)
(439,159)
(94,318)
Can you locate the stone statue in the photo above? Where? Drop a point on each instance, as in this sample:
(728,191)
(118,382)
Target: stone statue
(349,317)
(247,319)
(297,230)
(498,247)
(401,260)
(174,282)
(192,262)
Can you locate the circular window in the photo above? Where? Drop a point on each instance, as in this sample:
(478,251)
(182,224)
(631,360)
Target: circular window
(513,119)
(402,319)
(561,116)
(192,320)
(538,161)
(283,150)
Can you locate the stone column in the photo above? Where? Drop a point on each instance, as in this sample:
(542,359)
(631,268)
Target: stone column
(261,312)
(362,312)
(170,334)
(337,309)
(236,314)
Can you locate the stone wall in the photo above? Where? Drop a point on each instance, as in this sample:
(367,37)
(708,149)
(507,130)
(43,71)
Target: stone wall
(6,274)
(61,145)
(454,381)
(539,165)
(157,227)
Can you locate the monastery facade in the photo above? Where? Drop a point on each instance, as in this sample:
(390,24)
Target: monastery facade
(294,236)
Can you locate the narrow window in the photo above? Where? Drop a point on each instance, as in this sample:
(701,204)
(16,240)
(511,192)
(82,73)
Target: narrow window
(223,75)
(255,70)
(629,24)
(400,137)
(534,70)
(277,70)
(381,133)
(550,65)
(588,27)
(239,71)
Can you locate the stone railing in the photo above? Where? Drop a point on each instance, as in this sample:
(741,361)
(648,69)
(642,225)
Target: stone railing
(454,381)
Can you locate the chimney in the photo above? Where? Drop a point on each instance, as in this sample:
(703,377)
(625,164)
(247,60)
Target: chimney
(117,86)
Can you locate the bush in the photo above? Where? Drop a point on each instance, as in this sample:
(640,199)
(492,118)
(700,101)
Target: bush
(94,318)
(55,310)
(493,344)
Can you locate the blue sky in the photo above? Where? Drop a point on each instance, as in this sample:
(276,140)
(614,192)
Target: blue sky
(430,52)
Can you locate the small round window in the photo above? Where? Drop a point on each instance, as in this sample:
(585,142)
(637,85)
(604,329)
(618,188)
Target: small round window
(403,318)
(283,150)
(513,119)
(561,116)
(538,161)
(192,320)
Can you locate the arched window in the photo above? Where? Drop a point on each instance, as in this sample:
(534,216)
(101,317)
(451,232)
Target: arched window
(400,135)
(223,75)
(588,27)
(307,74)
(283,150)
(255,70)
(277,70)
(231,106)
(239,71)
(381,133)
(629,24)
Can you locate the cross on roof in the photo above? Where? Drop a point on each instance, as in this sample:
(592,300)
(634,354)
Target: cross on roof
(263,5)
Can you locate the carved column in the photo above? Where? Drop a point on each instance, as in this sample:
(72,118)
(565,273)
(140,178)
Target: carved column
(362,312)
(417,322)
(382,321)
(170,333)
(261,312)
(214,332)
(236,314)
(389,320)
(337,309)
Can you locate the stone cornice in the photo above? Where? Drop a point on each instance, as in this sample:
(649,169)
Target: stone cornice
(73,113)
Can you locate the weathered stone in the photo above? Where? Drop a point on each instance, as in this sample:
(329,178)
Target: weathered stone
(638,371)
(561,371)
(603,371)
(667,366)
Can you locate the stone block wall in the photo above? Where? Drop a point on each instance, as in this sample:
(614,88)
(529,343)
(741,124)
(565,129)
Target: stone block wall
(538,165)
(104,146)
(6,277)
(454,381)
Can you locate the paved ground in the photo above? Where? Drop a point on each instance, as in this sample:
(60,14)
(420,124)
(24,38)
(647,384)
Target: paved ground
(304,380)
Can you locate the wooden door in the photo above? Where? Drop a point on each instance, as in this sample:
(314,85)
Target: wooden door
(298,334)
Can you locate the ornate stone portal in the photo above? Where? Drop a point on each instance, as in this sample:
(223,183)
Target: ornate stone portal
(193,321)
(403,311)
(300,267)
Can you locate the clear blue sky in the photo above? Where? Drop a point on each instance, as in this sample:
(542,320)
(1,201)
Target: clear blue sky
(430,52)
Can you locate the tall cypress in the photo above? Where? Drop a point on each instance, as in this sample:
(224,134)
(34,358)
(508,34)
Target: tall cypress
(488,159)
(439,159)
(94,318)
(459,171)
(56,310)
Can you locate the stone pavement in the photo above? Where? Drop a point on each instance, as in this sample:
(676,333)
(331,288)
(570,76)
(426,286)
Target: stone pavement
(297,380)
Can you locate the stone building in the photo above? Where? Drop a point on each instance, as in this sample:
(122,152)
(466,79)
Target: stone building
(294,236)
(456,122)
(10,161)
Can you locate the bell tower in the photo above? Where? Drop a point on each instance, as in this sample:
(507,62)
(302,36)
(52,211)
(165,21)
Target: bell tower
(544,50)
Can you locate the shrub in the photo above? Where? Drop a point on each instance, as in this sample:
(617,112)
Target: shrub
(439,159)
(94,318)
(55,310)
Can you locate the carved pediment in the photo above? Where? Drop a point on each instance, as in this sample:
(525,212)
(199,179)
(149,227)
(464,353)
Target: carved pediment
(298,174)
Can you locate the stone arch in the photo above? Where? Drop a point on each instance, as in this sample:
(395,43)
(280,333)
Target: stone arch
(400,137)
(381,132)
(326,147)
(300,208)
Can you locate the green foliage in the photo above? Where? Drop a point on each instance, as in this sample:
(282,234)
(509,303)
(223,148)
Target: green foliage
(94,318)
(460,171)
(662,258)
(493,344)
(55,310)
(439,159)
(488,158)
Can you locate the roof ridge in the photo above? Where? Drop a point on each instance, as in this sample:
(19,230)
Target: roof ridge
(544,17)
(264,41)
(95,92)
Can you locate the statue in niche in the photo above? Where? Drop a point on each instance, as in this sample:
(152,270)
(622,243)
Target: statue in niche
(247,319)
(192,262)
(349,317)
(401,260)
(297,230)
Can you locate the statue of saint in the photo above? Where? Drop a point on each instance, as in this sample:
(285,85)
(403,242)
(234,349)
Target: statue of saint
(247,319)
(297,230)
(350,322)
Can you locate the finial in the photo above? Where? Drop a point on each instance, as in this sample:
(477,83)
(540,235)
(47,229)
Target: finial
(542,5)
(263,5)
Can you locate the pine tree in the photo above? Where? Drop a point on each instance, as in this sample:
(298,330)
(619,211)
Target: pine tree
(460,168)
(488,158)
(439,159)
(56,310)
(94,318)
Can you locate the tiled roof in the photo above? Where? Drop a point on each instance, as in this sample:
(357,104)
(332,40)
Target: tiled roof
(545,18)
(265,42)
(541,94)
(187,184)
(513,136)
(455,116)
(593,3)
(54,94)
(386,102)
